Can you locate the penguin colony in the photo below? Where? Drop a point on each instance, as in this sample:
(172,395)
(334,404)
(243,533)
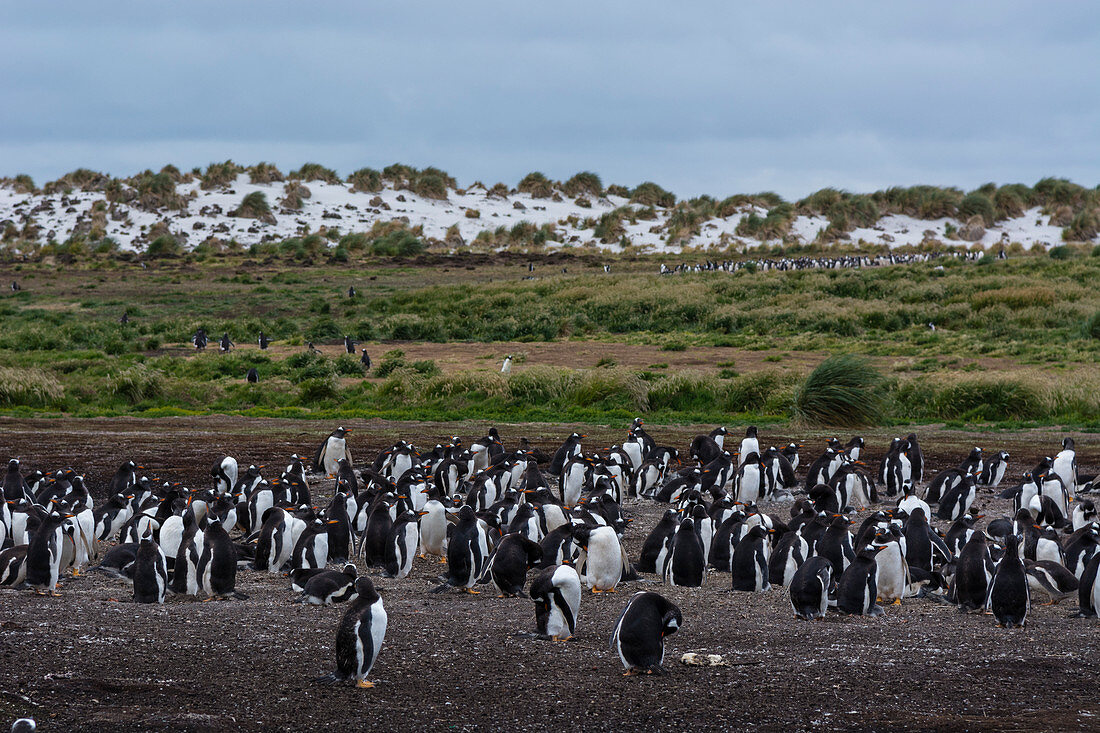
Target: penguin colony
(818,263)
(494,517)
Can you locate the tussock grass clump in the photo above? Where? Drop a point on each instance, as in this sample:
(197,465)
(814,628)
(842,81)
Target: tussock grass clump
(366,180)
(81,179)
(584,183)
(540,385)
(537,185)
(609,389)
(319,390)
(29,387)
(315,172)
(1092,326)
(473,386)
(650,194)
(399,243)
(138,383)
(1084,226)
(1014,297)
(844,390)
(294,193)
(164,246)
(265,173)
(986,398)
(218,175)
(978,204)
(254,206)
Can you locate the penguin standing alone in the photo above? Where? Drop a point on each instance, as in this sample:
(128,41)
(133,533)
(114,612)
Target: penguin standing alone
(359,637)
(331,451)
(639,635)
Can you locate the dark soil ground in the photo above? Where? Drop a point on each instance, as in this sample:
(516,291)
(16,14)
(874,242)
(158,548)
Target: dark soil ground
(86,662)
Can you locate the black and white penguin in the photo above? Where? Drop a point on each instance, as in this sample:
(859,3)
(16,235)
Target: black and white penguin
(514,555)
(705,448)
(13,566)
(331,451)
(23,725)
(327,587)
(639,634)
(14,487)
(835,544)
(349,345)
(1065,466)
(810,588)
(790,553)
(217,566)
(857,589)
(574,477)
(1009,595)
(916,458)
(656,542)
(200,339)
(958,499)
(365,360)
(557,546)
(556,592)
(252,376)
(749,565)
(603,557)
(686,563)
(111,516)
(263,341)
(749,444)
(311,549)
(150,572)
(359,636)
(571,447)
(44,555)
(401,544)
(892,577)
(225,344)
(468,550)
(994,471)
(185,578)
(383,513)
(1051,578)
(225,474)
(1088,590)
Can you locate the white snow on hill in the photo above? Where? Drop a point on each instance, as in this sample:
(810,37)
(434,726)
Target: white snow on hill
(337,206)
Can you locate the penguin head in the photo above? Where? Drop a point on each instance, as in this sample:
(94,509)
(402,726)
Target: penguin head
(350,570)
(365,589)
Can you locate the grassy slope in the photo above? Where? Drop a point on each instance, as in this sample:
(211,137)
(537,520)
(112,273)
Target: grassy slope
(62,332)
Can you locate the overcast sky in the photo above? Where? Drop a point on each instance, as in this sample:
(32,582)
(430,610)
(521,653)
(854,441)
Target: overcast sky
(702,97)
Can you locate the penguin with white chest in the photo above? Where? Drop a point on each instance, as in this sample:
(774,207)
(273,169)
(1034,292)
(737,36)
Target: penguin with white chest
(334,447)
(468,550)
(603,561)
(401,546)
(44,555)
(329,586)
(359,636)
(150,572)
(556,592)
(1009,594)
(857,590)
(809,588)
(639,634)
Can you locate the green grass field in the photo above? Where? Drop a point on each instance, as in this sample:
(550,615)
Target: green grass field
(1016,342)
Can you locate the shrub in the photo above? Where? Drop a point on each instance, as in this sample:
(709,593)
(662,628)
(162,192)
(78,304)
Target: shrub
(29,387)
(844,391)
(254,206)
(315,172)
(218,175)
(164,246)
(322,389)
(977,204)
(1084,227)
(366,180)
(391,361)
(584,183)
(138,383)
(1092,326)
(264,173)
(430,184)
(650,194)
(537,185)
(398,243)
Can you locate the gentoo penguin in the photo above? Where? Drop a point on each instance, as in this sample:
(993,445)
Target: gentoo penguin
(1065,466)
(705,448)
(1088,591)
(956,502)
(573,479)
(835,544)
(749,566)
(685,564)
(383,513)
(556,592)
(506,367)
(789,555)
(13,566)
(349,345)
(433,524)
(359,636)
(755,479)
(150,572)
(225,344)
(329,586)
(365,360)
(401,546)
(810,588)
(200,339)
(467,552)
(217,568)
(892,577)
(225,474)
(916,458)
(655,545)
(252,376)
(749,444)
(311,549)
(571,447)
(603,560)
(557,546)
(510,561)
(331,451)
(14,488)
(994,471)
(1051,578)
(44,555)
(23,725)
(639,634)
(263,341)
(1009,595)
(857,589)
